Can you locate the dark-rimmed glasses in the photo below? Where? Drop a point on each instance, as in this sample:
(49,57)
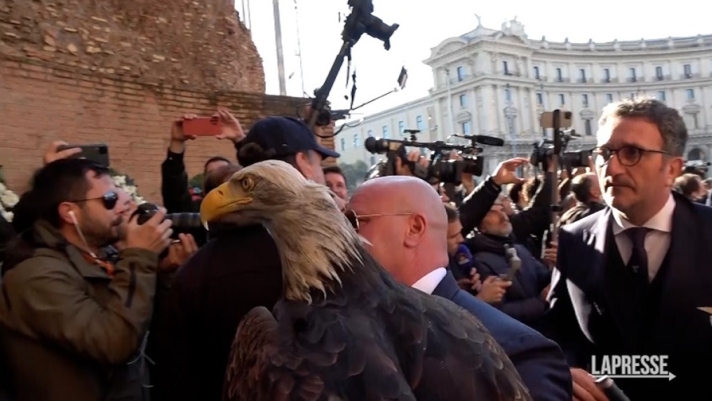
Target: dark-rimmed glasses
(355,219)
(628,156)
(109,200)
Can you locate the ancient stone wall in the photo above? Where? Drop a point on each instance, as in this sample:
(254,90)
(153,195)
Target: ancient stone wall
(120,72)
(198,45)
(41,103)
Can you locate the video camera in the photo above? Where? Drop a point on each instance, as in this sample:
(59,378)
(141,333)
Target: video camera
(545,149)
(440,169)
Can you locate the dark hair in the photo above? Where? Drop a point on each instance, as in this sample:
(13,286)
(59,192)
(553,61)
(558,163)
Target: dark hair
(213,160)
(688,184)
(335,170)
(514,192)
(63,180)
(668,120)
(452,214)
(219,176)
(252,153)
(581,187)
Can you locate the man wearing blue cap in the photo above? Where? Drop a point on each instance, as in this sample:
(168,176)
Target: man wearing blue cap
(230,275)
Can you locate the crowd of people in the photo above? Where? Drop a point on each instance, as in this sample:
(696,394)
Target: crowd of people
(97,306)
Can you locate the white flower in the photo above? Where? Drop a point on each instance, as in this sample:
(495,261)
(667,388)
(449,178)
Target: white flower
(7,215)
(3,188)
(120,180)
(9,198)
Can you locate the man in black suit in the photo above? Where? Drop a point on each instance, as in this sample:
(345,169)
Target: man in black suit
(630,278)
(406,224)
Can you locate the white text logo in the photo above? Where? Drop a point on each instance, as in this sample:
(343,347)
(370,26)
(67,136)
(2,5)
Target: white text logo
(631,367)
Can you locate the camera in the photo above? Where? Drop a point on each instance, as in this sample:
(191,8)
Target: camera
(440,170)
(181,221)
(544,150)
(450,171)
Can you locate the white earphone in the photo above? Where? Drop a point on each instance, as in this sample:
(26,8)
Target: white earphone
(73,217)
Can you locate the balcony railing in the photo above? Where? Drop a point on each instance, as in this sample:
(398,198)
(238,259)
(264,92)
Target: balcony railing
(662,77)
(585,80)
(632,79)
(691,75)
(562,79)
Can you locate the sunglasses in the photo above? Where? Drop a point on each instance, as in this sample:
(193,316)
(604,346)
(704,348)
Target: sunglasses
(109,200)
(354,219)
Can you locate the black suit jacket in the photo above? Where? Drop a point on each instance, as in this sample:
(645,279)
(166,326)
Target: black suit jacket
(587,317)
(538,360)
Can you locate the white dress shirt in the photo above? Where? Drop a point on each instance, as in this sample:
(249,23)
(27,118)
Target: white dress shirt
(430,281)
(657,242)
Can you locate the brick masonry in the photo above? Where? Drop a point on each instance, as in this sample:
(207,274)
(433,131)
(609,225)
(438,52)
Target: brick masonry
(47,92)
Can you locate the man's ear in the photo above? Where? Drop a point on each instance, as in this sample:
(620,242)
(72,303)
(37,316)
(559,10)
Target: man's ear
(674,170)
(417,227)
(64,210)
(303,164)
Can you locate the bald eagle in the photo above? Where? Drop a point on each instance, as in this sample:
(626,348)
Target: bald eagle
(344,329)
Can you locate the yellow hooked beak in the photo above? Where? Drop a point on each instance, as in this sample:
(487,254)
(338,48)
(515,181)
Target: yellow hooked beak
(220,202)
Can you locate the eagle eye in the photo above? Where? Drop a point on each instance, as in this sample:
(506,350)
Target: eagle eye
(247,183)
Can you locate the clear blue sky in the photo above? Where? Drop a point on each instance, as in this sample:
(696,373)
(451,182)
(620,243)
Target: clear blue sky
(424,24)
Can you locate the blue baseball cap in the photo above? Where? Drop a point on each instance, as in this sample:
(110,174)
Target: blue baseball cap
(284,136)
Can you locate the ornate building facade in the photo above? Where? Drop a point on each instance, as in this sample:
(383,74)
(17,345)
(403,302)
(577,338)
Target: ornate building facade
(497,82)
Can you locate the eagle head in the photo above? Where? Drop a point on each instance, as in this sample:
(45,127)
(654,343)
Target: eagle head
(314,239)
(255,193)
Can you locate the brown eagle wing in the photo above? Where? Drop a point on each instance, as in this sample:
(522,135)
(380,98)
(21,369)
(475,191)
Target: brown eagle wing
(256,335)
(327,353)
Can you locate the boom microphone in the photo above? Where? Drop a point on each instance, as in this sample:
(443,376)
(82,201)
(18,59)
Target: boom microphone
(483,139)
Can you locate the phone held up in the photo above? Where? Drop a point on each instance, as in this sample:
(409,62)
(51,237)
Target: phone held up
(95,152)
(202,126)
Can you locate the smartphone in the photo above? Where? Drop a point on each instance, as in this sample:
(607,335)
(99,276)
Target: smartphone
(96,152)
(202,126)
(565,119)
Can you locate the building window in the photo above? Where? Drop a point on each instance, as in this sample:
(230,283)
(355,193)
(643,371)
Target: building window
(690,94)
(343,144)
(540,99)
(633,77)
(373,160)
(370,133)
(463,100)
(401,127)
(633,95)
(584,100)
(466,128)
(606,75)
(536,73)
(661,96)
(587,127)
(357,141)
(419,123)
(659,73)
(508,94)
(691,121)
(460,73)
(505,67)
(609,98)
(562,100)
(583,75)
(385,131)
(688,70)
(510,126)
(559,75)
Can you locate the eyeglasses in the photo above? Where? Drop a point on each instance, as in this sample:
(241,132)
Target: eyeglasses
(109,200)
(628,156)
(355,219)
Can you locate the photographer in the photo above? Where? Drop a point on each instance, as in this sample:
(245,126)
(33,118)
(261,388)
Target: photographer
(73,320)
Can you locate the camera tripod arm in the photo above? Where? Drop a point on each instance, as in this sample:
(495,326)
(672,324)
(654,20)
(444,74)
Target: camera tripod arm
(322,94)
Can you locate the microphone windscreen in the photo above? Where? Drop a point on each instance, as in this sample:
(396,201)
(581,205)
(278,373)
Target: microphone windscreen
(465,260)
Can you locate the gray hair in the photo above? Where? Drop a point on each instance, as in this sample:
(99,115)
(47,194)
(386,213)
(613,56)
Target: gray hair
(668,120)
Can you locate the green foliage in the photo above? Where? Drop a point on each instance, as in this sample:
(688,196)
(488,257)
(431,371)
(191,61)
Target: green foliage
(355,173)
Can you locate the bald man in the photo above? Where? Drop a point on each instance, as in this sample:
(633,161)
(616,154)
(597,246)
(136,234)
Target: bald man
(405,221)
